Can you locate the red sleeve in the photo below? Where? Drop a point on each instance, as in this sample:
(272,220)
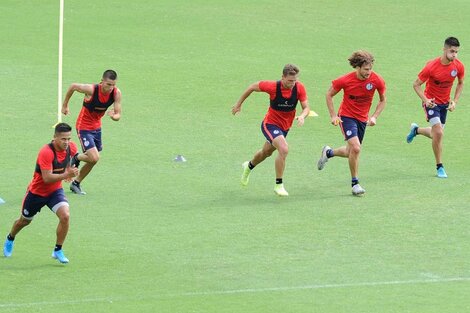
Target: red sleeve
(461,72)
(73,148)
(268,86)
(381,86)
(45,158)
(425,73)
(301,93)
(338,83)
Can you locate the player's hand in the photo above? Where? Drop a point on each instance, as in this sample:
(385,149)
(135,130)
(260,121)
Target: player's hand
(71,172)
(236,109)
(65,110)
(335,120)
(110,113)
(430,103)
(372,121)
(300,120)
(451,106)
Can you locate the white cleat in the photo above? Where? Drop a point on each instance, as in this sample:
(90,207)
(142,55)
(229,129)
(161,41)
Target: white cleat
(357,190)
(280,190)
(323,158)
(246,174)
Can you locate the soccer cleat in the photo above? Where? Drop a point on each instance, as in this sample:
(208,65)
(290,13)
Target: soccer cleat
(59,255)
(323,158)
(75,188)
(412,133)
(357,190)
(246,173)
(280,191)
(8,248)
(74,161)
(441,172)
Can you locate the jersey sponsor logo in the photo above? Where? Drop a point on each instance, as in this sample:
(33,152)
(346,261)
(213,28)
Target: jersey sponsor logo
(369,86)
(453,73)
(285,104)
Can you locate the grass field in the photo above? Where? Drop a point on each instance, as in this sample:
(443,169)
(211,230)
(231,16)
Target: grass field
(153,235)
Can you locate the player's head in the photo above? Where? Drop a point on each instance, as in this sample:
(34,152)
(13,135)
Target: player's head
(362,61)
(290,73)
(108,81)
(451,48)
(62,136)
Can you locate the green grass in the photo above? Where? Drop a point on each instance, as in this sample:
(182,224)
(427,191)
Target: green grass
(153,235)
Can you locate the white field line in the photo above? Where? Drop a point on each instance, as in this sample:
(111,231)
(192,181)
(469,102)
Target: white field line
(238,291)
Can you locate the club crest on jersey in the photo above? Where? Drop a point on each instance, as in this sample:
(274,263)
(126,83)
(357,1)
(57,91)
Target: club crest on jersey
(369,86)
(453,73)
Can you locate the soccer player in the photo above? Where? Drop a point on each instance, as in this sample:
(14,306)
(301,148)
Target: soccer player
(284,95)
(439,75)
(98,98)
(358,88)
(52,166)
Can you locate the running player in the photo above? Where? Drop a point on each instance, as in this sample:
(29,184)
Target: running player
(284,95)
(439,75)
(98,98)
(358,88)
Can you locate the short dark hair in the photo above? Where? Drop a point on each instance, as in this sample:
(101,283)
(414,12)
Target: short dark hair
(452,42)
(110,74)
(290,69)
(62,128)
(361,57)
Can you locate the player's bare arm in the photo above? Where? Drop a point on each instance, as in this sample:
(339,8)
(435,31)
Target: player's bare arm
(238,106)
(305,110)
(115,112)
(419,91)
(49,177)
(87,89)
(380,107)
(335,120)
(458,92)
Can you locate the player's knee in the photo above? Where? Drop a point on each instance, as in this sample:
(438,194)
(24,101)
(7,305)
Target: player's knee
(94,159)
(437,133)
(355,149)
(283,151)
(23,222)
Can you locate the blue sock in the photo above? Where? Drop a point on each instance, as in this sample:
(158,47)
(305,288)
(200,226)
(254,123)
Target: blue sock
(354,181)
(329,153)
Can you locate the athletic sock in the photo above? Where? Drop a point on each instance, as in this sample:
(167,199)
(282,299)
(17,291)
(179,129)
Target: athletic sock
(58,247)
(329,153)
(278,181)
(9,237)
(250,165)
(354,181)
(439,165)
